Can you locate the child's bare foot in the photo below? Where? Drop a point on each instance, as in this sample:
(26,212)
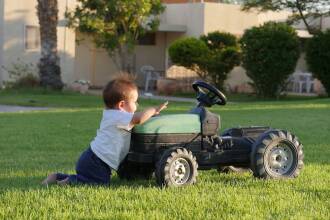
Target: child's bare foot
(63,182)
(49,180)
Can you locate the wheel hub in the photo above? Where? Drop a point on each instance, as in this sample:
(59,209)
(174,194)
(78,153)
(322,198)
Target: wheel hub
(280,159)
(180,171)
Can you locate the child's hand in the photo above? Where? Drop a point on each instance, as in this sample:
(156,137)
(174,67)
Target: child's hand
(161,107)
(141,117)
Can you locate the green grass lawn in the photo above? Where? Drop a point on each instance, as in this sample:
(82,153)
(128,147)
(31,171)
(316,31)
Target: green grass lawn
(34,144)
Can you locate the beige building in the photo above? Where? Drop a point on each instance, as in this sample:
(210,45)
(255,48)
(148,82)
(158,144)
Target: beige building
(178,20)
(19,39)
(19,36)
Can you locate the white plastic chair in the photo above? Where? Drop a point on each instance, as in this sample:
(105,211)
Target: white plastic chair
(303,82)
(150,75)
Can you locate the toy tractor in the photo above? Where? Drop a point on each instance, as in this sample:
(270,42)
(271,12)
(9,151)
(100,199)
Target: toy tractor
(176,146)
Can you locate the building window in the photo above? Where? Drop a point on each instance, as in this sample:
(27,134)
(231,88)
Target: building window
(147,39)
(32,37)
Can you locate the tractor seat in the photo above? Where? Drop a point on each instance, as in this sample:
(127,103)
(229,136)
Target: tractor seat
(210,121)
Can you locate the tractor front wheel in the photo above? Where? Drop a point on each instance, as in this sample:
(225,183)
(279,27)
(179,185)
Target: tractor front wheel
(176,168)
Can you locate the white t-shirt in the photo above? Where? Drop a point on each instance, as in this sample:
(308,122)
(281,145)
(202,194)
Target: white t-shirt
(112,140)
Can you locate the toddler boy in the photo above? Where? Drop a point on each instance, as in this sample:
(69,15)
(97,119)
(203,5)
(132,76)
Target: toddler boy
(112,141)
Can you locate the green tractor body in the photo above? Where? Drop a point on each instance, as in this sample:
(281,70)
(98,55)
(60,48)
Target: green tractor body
(170,124)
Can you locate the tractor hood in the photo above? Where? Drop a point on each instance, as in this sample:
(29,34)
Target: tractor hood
(170,124)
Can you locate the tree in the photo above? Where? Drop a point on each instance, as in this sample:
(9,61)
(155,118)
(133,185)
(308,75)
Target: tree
(302,10)
(270,54)
(49,69)
(116,25)
(212,56)
(318,57)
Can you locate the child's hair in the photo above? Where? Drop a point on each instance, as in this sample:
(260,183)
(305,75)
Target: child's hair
(118,89)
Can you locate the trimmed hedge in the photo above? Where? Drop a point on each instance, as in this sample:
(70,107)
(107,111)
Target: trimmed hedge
(318,58)
(270,53)
(212,56)
(188,52)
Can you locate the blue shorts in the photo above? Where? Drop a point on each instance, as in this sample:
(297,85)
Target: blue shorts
(90,170)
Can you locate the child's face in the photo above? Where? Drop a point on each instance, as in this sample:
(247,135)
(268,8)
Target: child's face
(130,105)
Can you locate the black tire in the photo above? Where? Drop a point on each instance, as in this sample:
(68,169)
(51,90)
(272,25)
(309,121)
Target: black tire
(176,168)
(233,169)
(131,170)
(277,154)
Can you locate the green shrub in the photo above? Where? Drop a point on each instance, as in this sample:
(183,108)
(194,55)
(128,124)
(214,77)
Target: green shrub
(219,40)
(212,56)
(270,53)
(188,52)
(318,58)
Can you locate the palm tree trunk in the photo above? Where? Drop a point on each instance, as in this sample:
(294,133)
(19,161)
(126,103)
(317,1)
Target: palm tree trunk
(49,68)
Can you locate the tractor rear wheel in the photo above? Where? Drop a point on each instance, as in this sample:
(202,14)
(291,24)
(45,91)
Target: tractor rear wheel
(176,168)
(277,154)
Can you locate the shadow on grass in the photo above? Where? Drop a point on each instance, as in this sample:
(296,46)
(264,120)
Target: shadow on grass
(226,179)
(20,183)
(239,180)
(34,182)
(317,194)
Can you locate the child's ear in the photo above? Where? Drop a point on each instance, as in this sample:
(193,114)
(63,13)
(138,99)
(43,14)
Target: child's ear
(121,104)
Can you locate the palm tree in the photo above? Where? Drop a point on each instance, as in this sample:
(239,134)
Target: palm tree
(49,68)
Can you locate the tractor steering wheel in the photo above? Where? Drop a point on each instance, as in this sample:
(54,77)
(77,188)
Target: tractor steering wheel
(208,95)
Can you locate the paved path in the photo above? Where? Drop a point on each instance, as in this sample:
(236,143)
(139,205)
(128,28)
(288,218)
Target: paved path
(13,108)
